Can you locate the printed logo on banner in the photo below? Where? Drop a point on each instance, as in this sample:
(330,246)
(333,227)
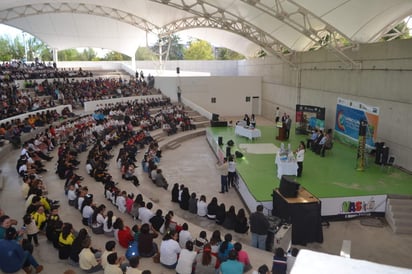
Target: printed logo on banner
(358,206)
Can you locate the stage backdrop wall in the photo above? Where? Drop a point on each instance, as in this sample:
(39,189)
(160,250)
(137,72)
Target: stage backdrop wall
(230,93)
(348,116)
(309,118)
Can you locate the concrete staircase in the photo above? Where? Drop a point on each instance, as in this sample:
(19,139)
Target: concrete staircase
(399,213)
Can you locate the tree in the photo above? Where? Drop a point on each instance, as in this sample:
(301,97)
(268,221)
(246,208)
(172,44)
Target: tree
(170,46)
(145,53)
(227,54)
(88,55)
(115,56)
(68,55)
(17,48)
(199,50)
(5,49)
(46,54)
(34,48)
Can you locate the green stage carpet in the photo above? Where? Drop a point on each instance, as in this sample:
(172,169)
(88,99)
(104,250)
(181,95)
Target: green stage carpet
(332,176)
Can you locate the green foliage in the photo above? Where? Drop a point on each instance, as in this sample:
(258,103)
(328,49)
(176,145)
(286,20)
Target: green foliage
(145,53)
(88,54)
(227,54)
(68,55)
(170,47)
(13,48)
(115,56)
(5,49)
(199,50)
(400,31)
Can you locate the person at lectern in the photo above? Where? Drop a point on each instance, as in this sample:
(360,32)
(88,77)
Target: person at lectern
(300,155)
(284,117)
(277,115)
(288,124)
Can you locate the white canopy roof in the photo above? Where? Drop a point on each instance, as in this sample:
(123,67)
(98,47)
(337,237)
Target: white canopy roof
(246,26)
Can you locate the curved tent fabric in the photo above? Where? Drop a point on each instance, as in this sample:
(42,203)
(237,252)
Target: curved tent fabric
(245,26)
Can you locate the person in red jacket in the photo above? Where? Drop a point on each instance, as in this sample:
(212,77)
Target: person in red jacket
(124,234)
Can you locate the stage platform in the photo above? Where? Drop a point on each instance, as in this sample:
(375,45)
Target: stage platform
(333,179)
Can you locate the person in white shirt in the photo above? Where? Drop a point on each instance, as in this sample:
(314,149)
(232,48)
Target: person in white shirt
(300,156)
(231,172)
(202,206)
(121,202)
(145,212)
(98,219)
(186,260)
(169,250)
(71,195)
(87,211)
(184,235)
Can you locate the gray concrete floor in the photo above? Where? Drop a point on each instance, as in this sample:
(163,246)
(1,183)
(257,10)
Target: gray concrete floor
(193,164)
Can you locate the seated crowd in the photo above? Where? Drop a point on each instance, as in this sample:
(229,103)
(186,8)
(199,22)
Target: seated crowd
(17,100)
(178,249)
(60,87)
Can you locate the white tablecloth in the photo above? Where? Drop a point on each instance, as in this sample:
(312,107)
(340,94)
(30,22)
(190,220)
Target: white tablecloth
(247,132)
(286,167)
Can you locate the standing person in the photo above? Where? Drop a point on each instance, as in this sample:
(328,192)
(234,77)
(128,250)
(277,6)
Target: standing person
(284,117)
(231,172)
(288,123)
(252,121)
(300,155)
(31,229)
(277,115)
(223,170)
(259,226)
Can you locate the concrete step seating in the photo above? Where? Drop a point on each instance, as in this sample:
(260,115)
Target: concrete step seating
(174,141)
(399,214)
(173,145)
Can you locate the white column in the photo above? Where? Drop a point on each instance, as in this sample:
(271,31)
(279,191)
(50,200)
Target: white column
(55,56)
(133,62)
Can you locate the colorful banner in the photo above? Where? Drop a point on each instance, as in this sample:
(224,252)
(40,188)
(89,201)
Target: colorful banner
(309,118)
(353,206)
(349,114)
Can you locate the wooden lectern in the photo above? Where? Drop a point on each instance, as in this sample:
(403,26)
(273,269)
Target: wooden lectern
(281,131)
